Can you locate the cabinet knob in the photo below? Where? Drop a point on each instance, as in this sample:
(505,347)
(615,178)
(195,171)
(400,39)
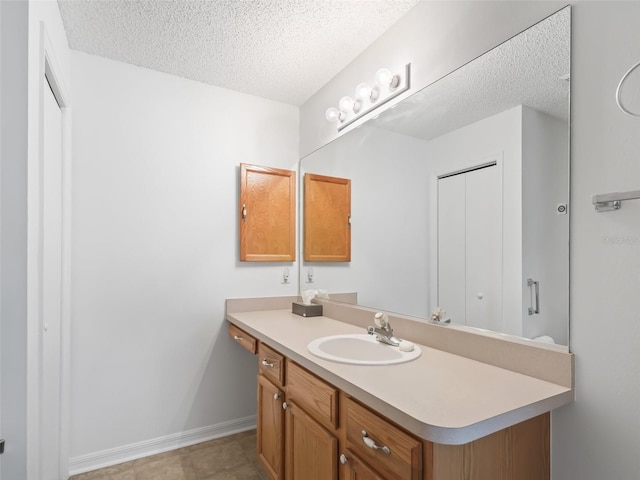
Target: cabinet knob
(343,459)
(284,405)
(276,395)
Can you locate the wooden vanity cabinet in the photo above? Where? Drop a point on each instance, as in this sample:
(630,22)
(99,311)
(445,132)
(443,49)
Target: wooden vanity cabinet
(310,430)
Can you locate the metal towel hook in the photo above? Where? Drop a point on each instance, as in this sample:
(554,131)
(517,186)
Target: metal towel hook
(619,93)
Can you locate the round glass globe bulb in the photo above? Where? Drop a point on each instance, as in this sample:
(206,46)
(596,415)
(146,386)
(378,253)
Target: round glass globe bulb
(346,104)
(332,114)
(363,91)
(383,76)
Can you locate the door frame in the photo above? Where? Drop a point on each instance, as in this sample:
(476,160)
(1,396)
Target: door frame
(440,171)
(49,71)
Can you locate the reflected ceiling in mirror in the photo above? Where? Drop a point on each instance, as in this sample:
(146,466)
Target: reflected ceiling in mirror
(458,194)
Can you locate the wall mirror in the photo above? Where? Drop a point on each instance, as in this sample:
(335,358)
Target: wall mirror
(459,194)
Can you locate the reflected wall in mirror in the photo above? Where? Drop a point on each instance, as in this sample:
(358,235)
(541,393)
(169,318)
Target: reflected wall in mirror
(460,192)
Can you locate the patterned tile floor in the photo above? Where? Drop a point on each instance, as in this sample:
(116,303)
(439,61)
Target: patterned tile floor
(228,458)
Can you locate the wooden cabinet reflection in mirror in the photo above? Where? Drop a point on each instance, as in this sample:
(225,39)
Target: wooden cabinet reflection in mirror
(267,214)
(327,219)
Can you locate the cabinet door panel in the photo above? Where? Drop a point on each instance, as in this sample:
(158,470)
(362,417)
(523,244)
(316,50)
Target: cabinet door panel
(267,214)
(327,214)
(356,469)
(270,436)
(311,450)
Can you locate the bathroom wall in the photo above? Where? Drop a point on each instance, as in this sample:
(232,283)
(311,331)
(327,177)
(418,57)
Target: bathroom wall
(597,437)
(13,230)
(594,438)
(155,254)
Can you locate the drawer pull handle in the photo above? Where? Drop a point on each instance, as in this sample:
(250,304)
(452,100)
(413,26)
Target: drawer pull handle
(266,364)
(237,338)
(370,442)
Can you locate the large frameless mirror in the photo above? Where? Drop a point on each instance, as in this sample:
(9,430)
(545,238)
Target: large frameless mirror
(459,194)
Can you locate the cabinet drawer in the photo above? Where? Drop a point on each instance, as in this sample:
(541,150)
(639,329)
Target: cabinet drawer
(243,338)
(316,397)
(271,364)
(389,450)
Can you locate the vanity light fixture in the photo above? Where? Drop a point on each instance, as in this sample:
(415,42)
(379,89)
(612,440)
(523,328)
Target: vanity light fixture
(385,86)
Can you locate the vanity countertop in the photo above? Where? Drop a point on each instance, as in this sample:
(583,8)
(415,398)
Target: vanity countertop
(441,397)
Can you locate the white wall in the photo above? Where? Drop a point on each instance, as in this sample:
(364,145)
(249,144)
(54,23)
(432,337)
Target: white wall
(596,437)
(13,242)
(155,254)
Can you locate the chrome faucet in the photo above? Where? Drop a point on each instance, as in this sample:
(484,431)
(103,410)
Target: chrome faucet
(383,331)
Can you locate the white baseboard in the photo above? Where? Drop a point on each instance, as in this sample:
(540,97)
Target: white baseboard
(125,453)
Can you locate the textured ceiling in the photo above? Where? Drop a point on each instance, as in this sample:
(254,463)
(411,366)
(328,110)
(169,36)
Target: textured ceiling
(530,69)
(283,50)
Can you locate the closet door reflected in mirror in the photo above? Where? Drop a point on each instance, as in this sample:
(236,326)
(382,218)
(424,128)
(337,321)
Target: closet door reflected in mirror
(327,219)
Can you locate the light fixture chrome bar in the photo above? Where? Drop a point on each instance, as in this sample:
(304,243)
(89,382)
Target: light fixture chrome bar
(405,83)
(613,201)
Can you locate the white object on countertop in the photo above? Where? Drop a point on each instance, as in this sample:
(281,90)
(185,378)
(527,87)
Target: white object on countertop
(545,339)
(406,346)
(308,295)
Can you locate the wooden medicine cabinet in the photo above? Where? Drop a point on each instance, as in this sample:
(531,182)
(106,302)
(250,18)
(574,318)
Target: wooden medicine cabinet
(267,214)
(327,219)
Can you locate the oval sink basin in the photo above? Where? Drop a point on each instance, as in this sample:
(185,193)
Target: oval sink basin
(360,349)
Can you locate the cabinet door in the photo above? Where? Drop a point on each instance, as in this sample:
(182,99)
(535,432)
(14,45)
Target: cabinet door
(267,214)
(327,219)
(311,450)
(356,469)
(270,437)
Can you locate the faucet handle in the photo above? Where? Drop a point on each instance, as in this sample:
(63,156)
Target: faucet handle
(381,319)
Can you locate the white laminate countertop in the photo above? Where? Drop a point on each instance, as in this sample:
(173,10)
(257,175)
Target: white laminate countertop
(441,397)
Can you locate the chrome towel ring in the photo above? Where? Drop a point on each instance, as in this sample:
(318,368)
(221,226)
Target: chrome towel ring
(619,93)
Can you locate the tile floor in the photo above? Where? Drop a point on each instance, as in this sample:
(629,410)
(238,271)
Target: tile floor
(228,458)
